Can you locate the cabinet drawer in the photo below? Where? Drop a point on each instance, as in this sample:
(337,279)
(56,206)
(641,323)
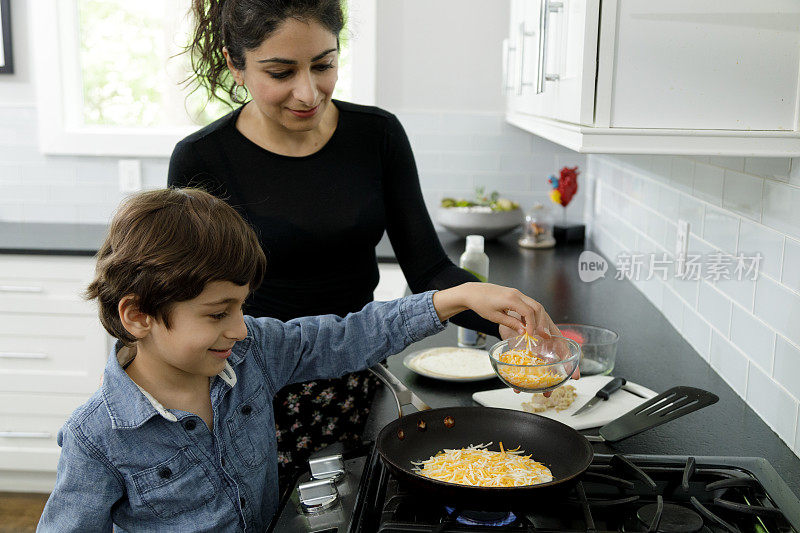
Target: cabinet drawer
(48,353)
(45,284)
(29,424)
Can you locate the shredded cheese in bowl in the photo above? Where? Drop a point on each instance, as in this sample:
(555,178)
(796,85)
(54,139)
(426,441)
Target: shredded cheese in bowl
(529,377)
(479,467)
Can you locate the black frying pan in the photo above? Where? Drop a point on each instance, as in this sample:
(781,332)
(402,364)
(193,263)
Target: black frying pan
(418,436)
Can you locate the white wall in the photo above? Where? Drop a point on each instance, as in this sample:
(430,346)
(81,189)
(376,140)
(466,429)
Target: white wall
(442,55)
(748,331)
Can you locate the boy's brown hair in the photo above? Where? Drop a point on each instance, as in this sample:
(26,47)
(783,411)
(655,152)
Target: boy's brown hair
(164,246)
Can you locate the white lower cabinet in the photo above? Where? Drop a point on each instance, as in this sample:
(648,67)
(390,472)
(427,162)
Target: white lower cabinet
(52,354)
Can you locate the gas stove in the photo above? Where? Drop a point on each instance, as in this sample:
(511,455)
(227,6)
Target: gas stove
(618,493)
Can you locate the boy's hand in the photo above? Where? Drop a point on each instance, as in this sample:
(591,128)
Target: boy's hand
(502,305)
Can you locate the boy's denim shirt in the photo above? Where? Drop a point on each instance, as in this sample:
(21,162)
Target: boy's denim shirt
(128,461)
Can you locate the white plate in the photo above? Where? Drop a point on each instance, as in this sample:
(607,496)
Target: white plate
(411,359)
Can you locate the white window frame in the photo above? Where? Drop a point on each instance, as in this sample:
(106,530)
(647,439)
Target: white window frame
(57,80)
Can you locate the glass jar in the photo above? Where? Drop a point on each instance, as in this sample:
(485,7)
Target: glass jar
(538,229)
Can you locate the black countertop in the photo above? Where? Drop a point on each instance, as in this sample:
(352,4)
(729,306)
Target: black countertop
(651,353)
(51,239)
(82,239)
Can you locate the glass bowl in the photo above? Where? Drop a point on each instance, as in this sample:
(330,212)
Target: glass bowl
(560,357)
(598,346)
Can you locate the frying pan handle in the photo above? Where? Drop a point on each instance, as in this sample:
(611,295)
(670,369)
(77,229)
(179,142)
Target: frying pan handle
(383,374)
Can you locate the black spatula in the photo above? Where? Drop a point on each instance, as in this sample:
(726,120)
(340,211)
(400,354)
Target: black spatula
(668,405)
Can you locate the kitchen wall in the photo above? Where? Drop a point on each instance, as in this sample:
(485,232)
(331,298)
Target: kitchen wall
(748,331)
(437,69)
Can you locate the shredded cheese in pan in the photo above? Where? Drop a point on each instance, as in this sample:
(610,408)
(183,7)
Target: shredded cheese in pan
(479,467)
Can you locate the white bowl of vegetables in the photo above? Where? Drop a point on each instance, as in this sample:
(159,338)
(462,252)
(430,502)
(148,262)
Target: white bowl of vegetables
(490,216)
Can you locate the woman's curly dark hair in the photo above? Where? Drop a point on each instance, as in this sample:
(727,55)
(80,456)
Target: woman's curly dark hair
(242,25)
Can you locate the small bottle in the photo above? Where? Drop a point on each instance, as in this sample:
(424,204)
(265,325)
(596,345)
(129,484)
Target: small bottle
(474,261)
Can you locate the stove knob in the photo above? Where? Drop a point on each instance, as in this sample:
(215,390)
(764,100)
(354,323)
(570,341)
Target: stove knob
(318,495)
(328,467)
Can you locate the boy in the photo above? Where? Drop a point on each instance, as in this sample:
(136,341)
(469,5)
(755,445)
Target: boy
(180,437)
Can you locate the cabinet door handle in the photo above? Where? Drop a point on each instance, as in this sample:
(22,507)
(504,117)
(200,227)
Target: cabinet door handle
(22,355)
(507,49)
(20,288)
(546,7)
(523,33)
(25,435)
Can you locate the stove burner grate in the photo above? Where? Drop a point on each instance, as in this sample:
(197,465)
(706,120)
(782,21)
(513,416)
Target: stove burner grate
(674,518)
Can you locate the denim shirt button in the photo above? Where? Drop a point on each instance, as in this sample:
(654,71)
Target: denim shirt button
(246,410)
(165,472)
(190,425)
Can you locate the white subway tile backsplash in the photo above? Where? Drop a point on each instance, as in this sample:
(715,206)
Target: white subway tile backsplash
(516,142)
(772,403)
(787,366)
(668,202)
(672,307)
(697,331)
(742,194)
(740,290)
(473,162)
(44,212)
(733,163)
(729,363)
(781,211)
(714,307)
(682,174)
(736,205)
(418,123)
(11,211)
(661,167)
(791,265)
(721,229)
(779,307)
(439,142)
(460,123)
(707,184)
(691,210)
(538,165)
(756,238)
(429,162)
(794,173)
(655,228)
(449,180)
(770,167)
(687,289)
(753,337)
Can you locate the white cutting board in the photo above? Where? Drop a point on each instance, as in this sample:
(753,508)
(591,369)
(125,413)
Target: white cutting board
(604,412)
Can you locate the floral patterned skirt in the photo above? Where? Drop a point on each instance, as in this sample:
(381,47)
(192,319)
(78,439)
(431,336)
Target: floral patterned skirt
(311,415)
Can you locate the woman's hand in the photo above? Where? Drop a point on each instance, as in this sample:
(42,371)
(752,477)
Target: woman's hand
(505,306)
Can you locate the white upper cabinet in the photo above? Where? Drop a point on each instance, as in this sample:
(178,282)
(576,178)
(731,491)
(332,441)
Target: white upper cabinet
(656,76)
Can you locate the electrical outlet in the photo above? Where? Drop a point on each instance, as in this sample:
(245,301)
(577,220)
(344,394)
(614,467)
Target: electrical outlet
(681,246)
(130,175)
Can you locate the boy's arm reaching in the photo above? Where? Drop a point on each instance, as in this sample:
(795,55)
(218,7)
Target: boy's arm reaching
(330,346)
(86,489)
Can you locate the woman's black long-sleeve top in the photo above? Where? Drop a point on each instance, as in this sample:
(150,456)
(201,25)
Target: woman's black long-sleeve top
(319,217)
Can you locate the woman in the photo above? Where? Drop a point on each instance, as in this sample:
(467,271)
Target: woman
(319,179)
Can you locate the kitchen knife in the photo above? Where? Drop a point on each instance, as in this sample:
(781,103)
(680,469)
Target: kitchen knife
(603,394)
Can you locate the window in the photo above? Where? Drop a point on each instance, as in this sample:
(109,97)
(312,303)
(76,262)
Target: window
(109,74)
